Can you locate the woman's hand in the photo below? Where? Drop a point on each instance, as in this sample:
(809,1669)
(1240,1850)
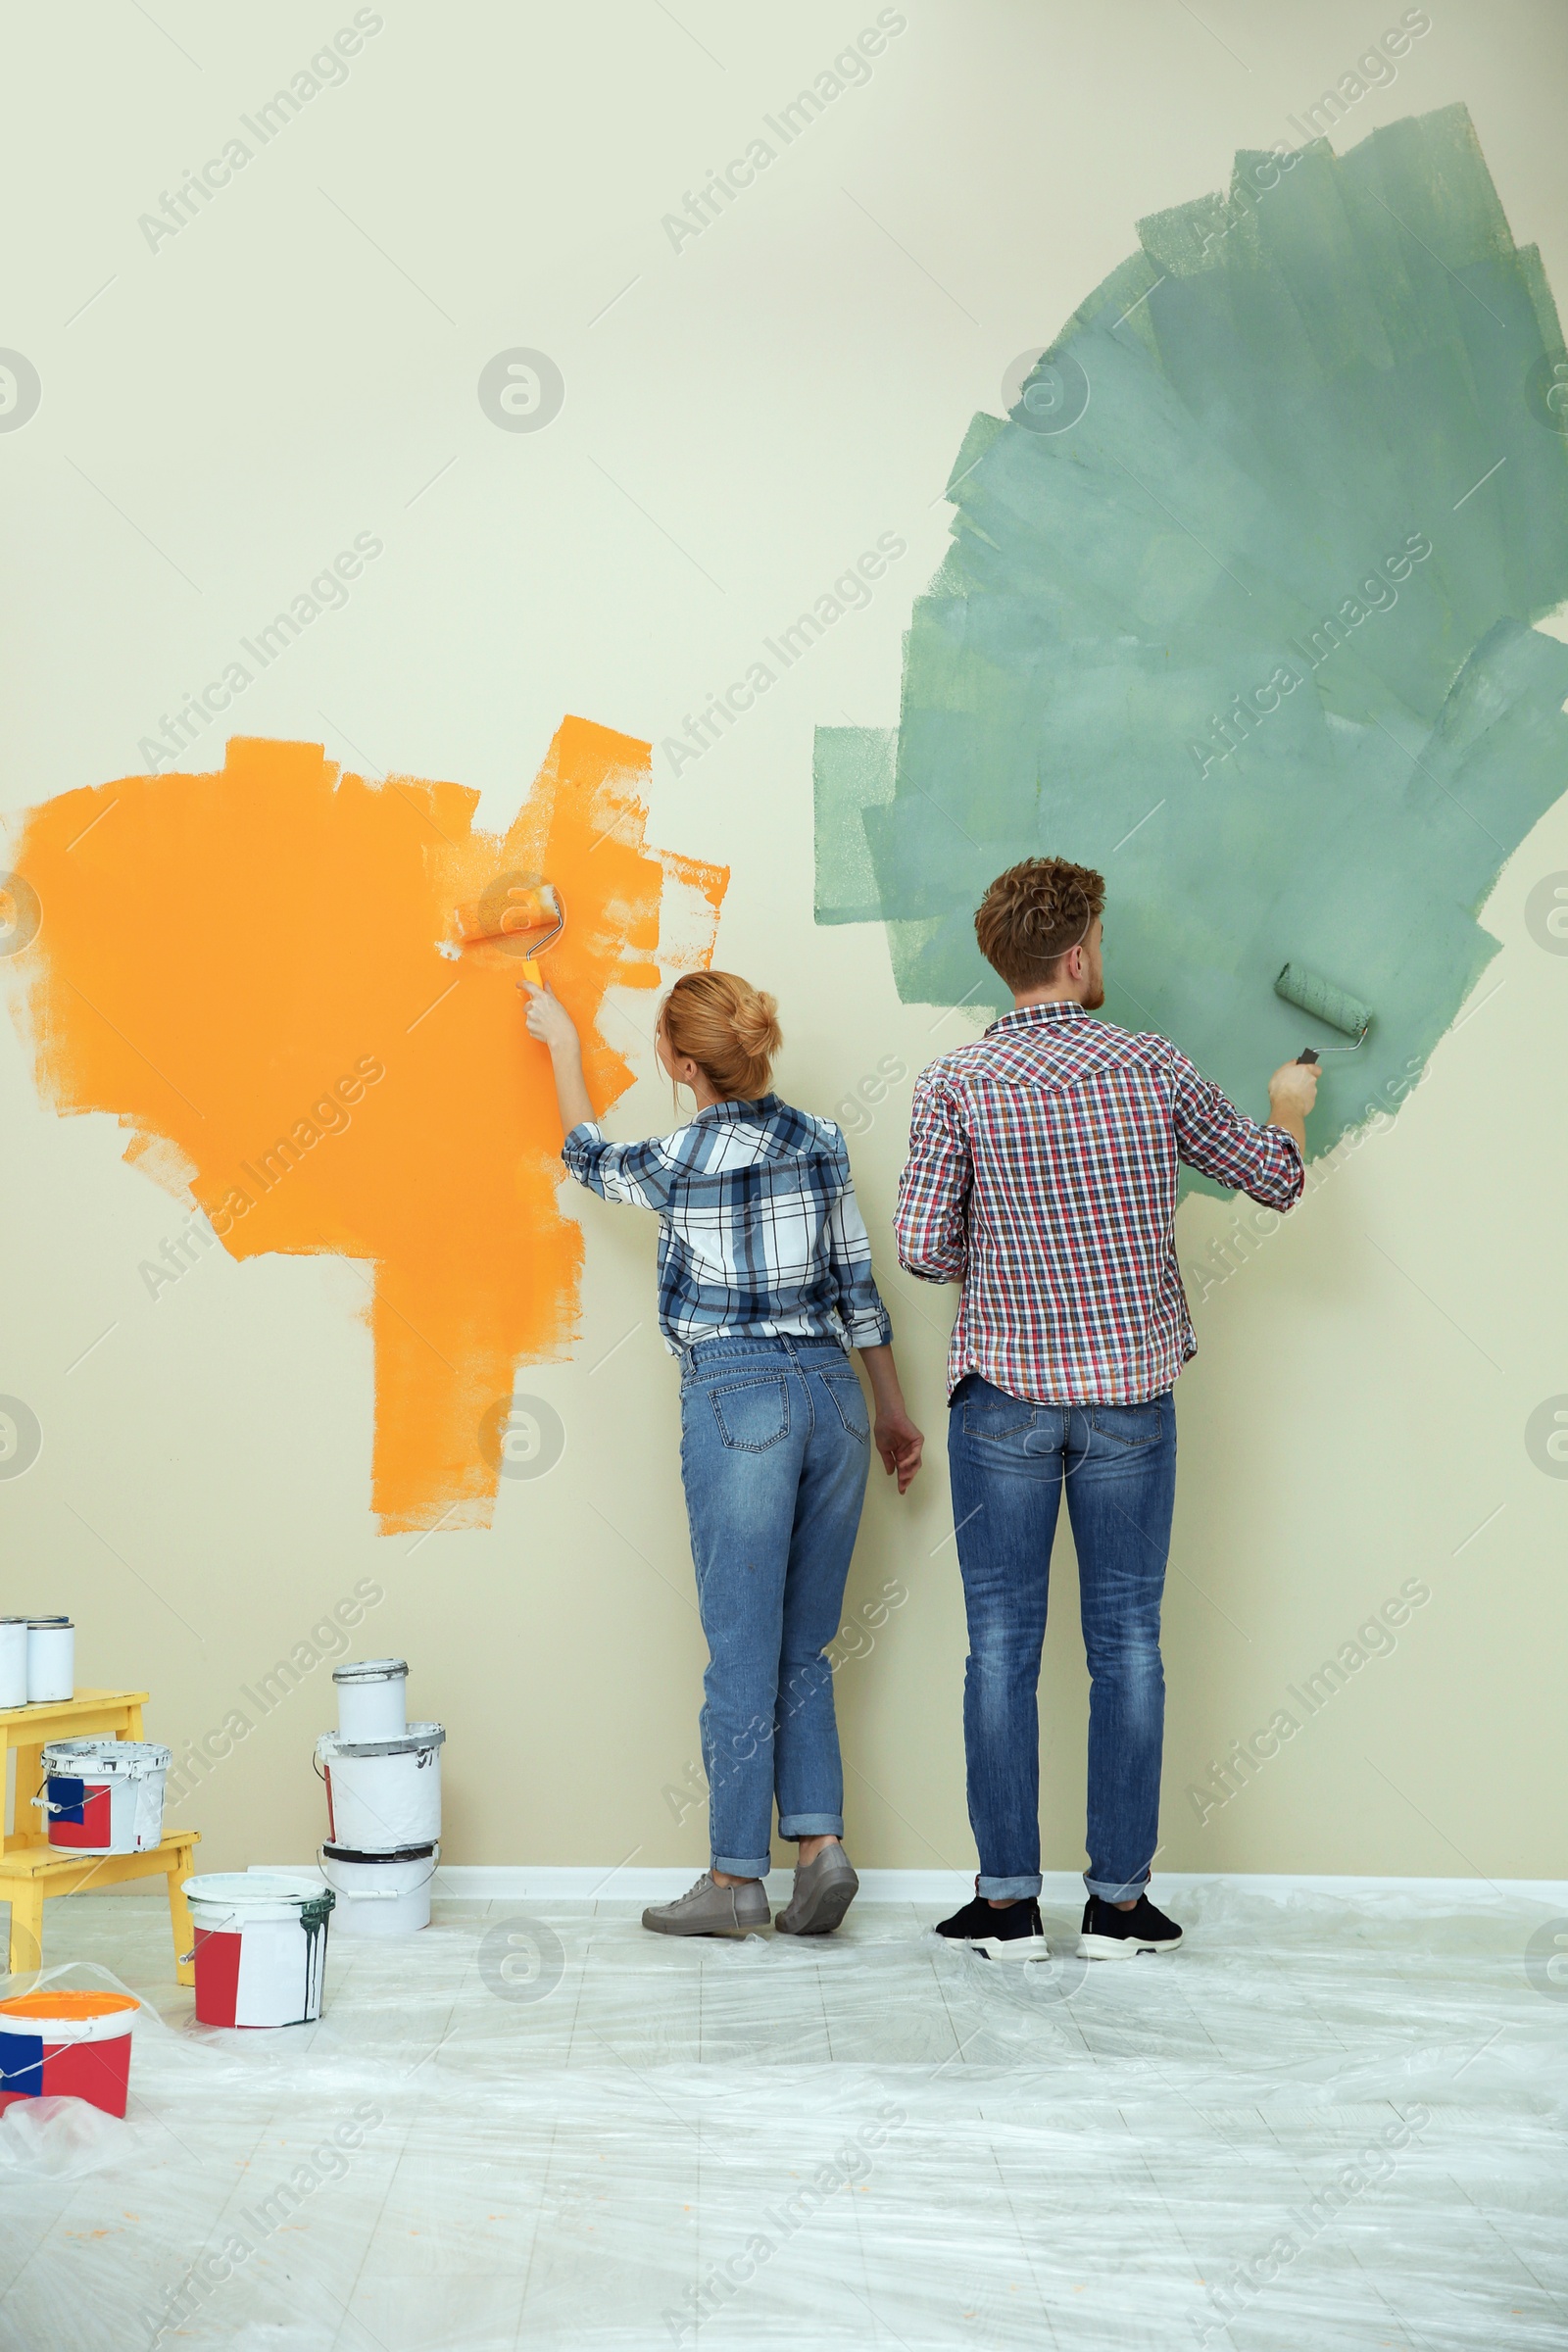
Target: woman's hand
(552,1025)
(893,1435)
(549,1020)
(899,1443)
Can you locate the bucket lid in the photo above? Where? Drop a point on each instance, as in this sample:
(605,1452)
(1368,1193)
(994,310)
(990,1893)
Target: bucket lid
(39,1624)
(239,1891)
(394,1853)
(133,1759)
(15,1621)
(371,1670)
(417,1734)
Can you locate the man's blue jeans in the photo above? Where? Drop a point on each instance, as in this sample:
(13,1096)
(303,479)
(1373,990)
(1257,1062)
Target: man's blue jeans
(1010,1460)
(774,1448)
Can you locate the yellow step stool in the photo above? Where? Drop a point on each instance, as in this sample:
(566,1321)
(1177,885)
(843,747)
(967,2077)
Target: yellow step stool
(31,1868)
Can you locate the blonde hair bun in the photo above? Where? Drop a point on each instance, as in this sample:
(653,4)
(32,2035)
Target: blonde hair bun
(756,1025)
(728,1028)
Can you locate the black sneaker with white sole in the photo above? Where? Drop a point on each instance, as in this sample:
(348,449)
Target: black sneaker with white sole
(1013,1932)
(1112,1935)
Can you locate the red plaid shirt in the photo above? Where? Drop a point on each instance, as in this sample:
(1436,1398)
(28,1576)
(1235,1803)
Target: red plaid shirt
(1042,1175)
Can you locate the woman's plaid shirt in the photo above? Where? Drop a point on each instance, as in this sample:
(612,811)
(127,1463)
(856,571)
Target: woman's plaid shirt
(759,1229)
(1042,1175)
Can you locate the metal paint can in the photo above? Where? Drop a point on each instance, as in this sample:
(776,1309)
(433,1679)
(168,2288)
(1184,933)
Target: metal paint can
(51,1659)
(13,1661)
(371,1698)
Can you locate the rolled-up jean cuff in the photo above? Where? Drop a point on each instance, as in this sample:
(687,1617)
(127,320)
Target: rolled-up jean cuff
(1007,1887)
(754,1867)
(811,1825)
(1109,1893)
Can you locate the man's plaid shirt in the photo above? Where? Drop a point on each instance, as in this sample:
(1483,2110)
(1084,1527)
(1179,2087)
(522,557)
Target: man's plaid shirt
(1042,1175)
(759,1229)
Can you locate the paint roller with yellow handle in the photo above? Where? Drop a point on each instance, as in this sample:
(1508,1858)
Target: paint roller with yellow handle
(513,910)
(1335,1006)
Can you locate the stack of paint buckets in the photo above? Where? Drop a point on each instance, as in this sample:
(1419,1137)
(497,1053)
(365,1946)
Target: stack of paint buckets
(38,1660)
(383,1802)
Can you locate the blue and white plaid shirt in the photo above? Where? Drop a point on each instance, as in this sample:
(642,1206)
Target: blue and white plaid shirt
(759,1229)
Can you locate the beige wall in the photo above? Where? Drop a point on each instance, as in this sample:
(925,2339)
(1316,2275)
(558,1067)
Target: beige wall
(771,399)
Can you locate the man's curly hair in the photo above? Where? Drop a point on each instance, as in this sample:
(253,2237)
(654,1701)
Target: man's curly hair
(1033,913)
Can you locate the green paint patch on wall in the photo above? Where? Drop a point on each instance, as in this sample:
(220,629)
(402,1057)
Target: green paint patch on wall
(1238,609)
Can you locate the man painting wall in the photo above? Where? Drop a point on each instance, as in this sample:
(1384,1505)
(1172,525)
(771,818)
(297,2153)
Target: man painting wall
(1042,1176)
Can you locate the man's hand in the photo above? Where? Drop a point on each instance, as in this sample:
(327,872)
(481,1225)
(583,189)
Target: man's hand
(899,1443)
(1292,1093)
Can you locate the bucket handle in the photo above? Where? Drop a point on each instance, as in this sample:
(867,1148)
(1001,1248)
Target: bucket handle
(377,1894)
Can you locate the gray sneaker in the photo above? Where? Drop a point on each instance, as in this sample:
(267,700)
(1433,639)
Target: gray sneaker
(706,1909)
(824,1889)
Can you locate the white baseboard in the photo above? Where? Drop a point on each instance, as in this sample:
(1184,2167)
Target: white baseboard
(578,1882)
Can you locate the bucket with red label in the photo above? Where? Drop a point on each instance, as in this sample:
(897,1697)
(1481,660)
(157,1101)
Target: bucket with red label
(103,1797)
(260,1947)
(67,2046)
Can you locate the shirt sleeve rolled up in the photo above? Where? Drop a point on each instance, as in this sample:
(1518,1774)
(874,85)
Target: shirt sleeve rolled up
(866,1321)
(636,1174)
(931,1222)
(1219,1141)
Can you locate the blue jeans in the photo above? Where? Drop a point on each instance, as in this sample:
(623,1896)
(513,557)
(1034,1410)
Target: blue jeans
(774,1447)
(1010,1460)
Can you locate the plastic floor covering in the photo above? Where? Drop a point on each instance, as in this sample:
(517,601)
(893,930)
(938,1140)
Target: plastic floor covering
(1325,2122)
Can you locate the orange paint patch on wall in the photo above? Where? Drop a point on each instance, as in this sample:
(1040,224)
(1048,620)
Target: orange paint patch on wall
(253,971)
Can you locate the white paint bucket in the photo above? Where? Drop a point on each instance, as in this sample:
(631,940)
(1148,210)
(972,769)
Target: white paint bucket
(382,1894)
(103,1797)
(384,1794)
(260,1947)
(13,1661)
(51,1659)
(372,1698)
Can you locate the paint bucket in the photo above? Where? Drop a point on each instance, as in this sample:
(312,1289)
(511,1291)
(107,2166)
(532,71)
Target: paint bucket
(382,1894)
(67,2046)
(384,1794)
(51,1659)
(103,1797)
(260,1947)
(13,1661)
(372,1698)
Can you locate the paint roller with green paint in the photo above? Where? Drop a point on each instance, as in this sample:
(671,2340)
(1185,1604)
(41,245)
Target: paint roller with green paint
(1335,1006)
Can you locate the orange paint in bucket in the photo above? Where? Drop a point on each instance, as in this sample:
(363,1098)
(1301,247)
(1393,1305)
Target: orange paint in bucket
(72,2045)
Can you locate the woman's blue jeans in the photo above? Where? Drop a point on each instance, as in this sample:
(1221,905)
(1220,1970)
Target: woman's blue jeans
(774,1447)
(1010,1460)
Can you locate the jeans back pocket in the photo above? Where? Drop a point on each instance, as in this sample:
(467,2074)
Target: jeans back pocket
(989,1413)
(753,1414)
(848,1394)
(1129,1425)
